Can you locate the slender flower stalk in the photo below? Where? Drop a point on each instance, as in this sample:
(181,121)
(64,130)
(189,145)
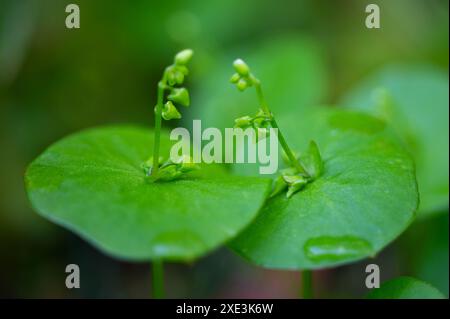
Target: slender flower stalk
(262,102)
(298,175)
(173,76)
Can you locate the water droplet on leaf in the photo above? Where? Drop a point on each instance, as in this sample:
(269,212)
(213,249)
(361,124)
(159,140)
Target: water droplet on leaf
(328,248)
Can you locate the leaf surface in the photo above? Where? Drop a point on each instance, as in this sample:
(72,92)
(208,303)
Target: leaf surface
(420,114)
(92,183)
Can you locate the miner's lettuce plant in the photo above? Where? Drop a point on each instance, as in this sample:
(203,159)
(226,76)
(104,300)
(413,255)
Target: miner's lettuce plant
(106,185)
(298,175)
(348,188)
(362,196)
(291,68)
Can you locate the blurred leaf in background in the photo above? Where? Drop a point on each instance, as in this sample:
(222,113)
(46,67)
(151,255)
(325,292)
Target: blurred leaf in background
(414,99)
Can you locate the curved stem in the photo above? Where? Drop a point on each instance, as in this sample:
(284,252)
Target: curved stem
(158,115)
(307,284)
(262,101)
(294,161)
(158,279)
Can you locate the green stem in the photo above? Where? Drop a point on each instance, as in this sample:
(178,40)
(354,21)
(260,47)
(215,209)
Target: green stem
(262,102)
(307,284)
(158,279)
(158,115)
(295,162)
(261,99)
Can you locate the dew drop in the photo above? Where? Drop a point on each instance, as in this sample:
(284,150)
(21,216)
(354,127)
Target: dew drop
(328,248)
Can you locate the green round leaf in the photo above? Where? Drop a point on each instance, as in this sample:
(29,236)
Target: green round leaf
(420,100)
(365,198)
(93,184)
(405,288)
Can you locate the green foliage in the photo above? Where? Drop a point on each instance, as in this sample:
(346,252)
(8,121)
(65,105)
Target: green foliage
(344,201)
(405,288)
(44,97)
(93,184)
(414,100)
(365,197)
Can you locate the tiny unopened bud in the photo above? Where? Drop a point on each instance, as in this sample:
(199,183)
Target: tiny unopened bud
(171,79)
(183,57)
(170,111)
(295,183)
(241,85)
(169,173)
(183,69)
(243,122)
(186,164)
(278,186)
(180,95)
(179,77)
(241,67)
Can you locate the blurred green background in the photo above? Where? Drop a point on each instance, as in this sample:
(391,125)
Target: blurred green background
(55,81)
